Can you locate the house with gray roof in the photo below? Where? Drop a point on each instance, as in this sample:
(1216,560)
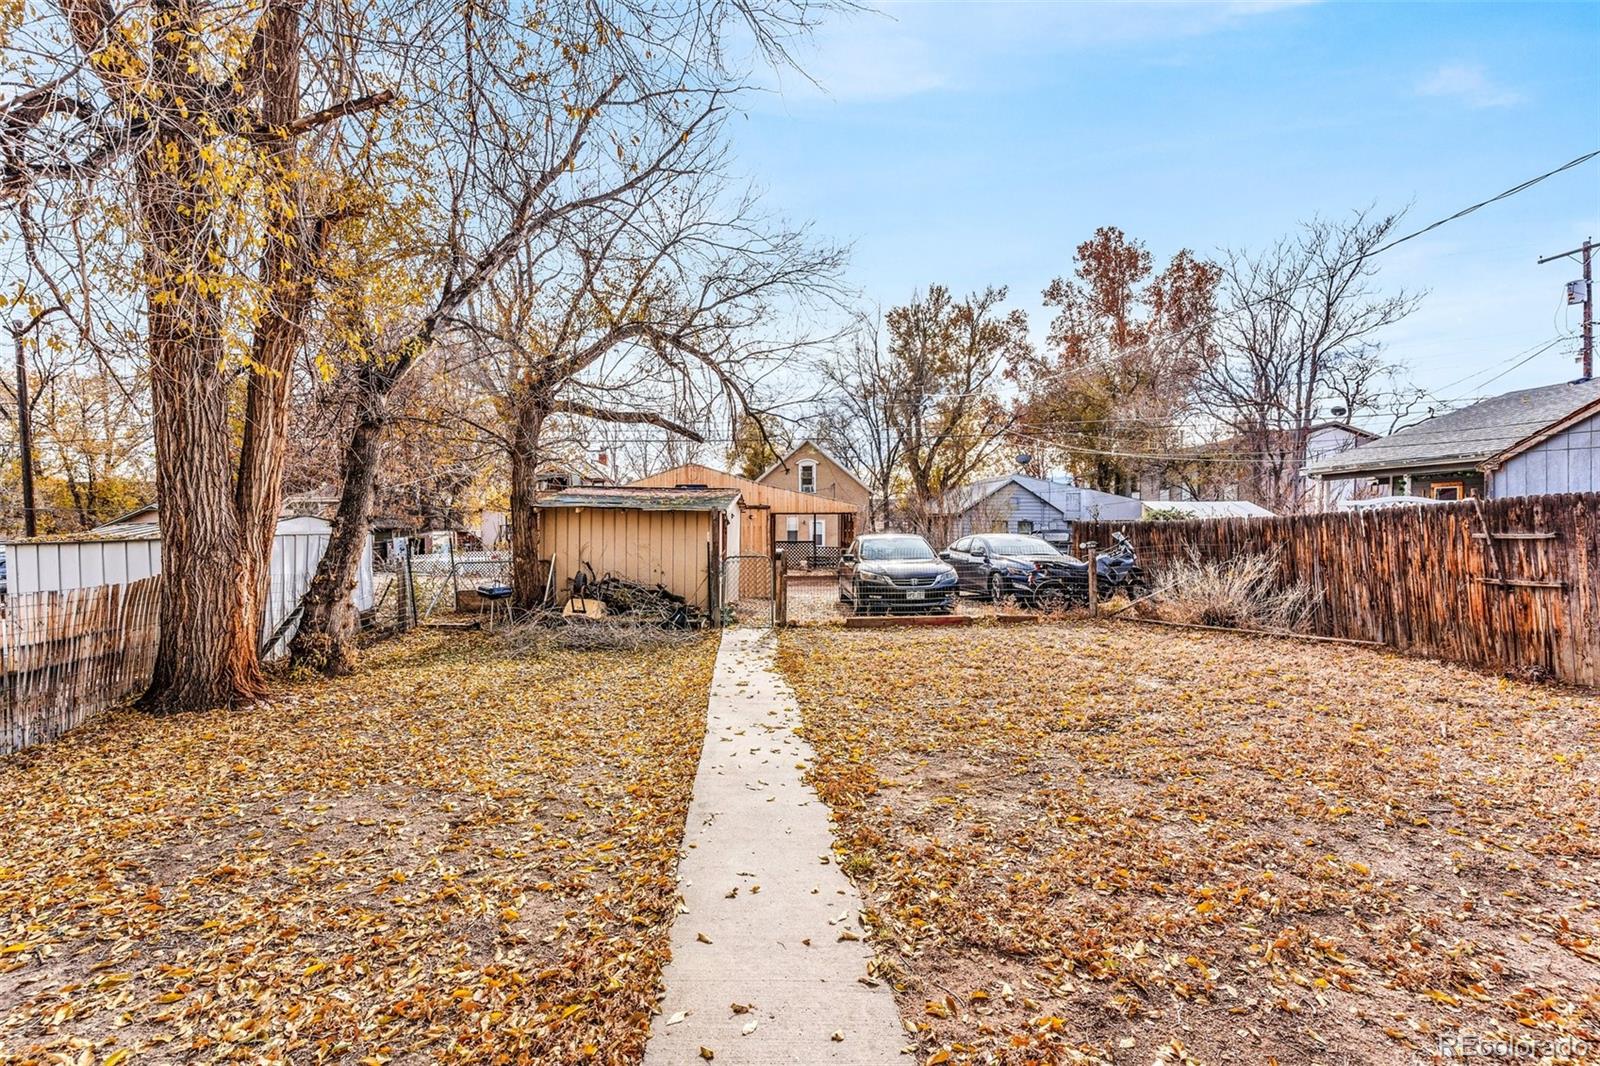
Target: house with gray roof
(1524,443)
(1022,504)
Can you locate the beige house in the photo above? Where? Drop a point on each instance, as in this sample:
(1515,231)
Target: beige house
(765,510)
(811,471)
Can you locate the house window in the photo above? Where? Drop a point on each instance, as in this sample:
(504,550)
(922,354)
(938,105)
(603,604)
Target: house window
(808,477)
(1024,526)
(1448,490)
(819,529)
(794,528)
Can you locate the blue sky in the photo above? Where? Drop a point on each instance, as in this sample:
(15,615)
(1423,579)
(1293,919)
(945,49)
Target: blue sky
(977,143)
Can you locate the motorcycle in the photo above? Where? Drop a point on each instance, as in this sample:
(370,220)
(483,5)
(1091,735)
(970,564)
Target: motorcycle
(1120,571)
(1116,570)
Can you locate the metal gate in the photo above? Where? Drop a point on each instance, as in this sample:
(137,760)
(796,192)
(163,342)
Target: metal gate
(749,589)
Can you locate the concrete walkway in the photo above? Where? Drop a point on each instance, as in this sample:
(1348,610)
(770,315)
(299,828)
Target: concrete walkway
(767,957)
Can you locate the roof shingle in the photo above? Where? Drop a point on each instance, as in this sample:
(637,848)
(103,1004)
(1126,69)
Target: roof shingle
(641,499)
(1468,436)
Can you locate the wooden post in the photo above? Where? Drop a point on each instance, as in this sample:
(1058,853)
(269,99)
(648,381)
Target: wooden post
(1094,580)
(780,590)
(715,543)
(30,526)
(455,586)
(408,603)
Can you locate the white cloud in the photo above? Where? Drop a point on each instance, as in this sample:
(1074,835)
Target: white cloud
(1263,7)
(868,58)
(905,49)
(1469,84)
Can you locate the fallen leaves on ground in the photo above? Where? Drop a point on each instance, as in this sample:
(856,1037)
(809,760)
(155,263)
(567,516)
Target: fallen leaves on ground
(461,854)
(1127,845)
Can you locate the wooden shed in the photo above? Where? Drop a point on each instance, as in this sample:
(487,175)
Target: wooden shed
(672,537)
(768,515)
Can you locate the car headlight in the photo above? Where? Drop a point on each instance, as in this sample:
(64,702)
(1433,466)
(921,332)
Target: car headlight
(946,578)
(869,575)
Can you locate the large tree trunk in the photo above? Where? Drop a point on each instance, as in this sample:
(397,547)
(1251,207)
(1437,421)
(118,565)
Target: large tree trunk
(327,623)
(288,260)
(205,658)
(526,581)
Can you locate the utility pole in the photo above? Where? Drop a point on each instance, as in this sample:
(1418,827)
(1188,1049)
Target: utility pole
(30,520)
(1586,250)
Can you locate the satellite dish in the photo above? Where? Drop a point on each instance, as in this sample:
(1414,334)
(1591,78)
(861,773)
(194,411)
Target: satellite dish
(1338,412)
(1024,458)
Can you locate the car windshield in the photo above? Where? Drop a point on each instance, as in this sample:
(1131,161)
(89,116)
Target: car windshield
(895,549)
(1020,546)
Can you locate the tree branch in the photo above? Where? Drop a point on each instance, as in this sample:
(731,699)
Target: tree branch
(309,122)
(632,418)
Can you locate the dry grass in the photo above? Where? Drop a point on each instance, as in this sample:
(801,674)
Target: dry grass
(549,632)
(460,854)
(1243,592)
(1113,844)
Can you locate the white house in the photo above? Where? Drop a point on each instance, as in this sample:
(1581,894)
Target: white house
(1324,441)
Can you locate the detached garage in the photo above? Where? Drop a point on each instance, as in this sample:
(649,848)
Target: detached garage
(676,538)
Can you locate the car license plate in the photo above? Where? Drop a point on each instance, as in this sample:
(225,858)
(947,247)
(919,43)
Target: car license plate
(916,594)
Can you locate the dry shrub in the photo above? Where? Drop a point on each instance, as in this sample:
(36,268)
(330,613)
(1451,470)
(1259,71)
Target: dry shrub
(547,631)
(1243,592)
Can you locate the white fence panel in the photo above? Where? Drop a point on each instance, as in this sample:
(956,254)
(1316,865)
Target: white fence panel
(57,566)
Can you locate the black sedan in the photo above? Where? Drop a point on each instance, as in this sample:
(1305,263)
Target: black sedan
(895,571)
(997,565)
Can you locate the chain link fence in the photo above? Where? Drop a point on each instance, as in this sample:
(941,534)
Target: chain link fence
(750,588)
(412,587)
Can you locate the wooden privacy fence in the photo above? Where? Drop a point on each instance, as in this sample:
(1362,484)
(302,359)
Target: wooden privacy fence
(1511,584)
(65,656)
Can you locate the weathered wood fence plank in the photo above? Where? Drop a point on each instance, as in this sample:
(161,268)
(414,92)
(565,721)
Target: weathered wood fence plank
(1511,584)
(65,656)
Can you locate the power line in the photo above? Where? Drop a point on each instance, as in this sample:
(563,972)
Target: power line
(1519,363)
(1521,357)
(1465,211)
(1287,290)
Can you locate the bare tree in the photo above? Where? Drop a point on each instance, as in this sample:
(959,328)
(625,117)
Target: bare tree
(606,105)
(1298,331)
(946,358)
(200,128)
(661,302)
(854,420)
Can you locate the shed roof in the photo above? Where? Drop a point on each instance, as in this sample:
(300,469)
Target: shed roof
(143,514)
(640,498)
(1469,436)
(1074,502)
(751,493)
(111,531)
(1210,508)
